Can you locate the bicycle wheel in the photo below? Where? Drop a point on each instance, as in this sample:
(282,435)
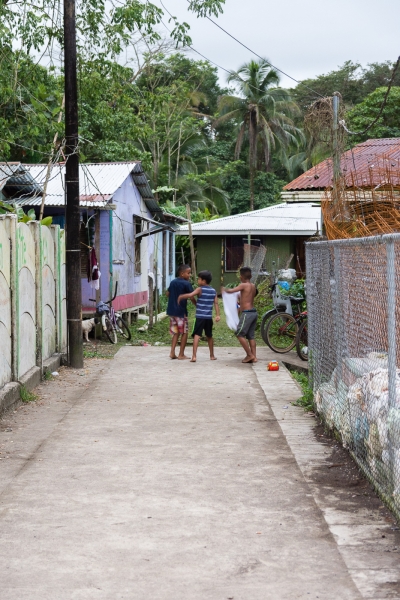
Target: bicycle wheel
(123,328)
(302,341)
(110,331)
(264,324)
(281,332)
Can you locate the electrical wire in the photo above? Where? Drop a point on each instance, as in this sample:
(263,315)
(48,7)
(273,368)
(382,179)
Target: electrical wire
(342,122)
(228,71)
(255,53)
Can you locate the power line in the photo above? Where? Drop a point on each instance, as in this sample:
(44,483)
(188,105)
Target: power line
(202,55)
(255,54)
(343,124)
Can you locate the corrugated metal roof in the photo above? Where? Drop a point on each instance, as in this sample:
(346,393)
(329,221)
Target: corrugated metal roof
(359,162)
(142,184)
(16,181)
(281,219)
(98,183)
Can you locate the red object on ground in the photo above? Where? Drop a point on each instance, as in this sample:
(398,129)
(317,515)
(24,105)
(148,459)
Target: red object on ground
(273,366)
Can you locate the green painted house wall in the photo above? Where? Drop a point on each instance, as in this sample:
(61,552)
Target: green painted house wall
(208,257)
(209,249)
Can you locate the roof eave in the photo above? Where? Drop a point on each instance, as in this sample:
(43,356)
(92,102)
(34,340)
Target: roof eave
(254,232)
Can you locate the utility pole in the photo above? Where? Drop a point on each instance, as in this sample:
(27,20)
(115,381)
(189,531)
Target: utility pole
(74,293)
(336,148)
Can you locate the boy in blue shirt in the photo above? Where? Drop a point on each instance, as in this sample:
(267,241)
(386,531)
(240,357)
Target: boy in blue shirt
(207,299)
(178,319)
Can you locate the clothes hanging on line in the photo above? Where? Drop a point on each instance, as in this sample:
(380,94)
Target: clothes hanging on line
(93,273)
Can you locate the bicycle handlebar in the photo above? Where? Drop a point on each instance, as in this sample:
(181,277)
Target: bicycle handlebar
(108,301)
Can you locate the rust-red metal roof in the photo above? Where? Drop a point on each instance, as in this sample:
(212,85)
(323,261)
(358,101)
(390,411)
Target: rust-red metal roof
(365,165)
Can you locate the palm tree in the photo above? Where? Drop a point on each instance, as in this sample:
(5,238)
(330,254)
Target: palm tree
(263,112)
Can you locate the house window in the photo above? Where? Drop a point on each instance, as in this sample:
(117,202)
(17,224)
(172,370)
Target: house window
(137,228)
(233,252)
(171,253)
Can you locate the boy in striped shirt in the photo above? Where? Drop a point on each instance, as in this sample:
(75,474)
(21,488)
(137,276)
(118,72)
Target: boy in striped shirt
(207,299)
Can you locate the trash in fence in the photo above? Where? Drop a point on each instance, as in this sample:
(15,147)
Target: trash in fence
(353,294)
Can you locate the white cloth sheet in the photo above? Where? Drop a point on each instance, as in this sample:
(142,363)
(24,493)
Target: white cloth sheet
(231,309)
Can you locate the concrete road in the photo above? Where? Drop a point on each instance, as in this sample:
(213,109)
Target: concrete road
(165,480)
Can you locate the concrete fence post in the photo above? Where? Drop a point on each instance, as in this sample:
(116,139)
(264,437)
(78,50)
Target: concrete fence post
(14,295)
(55,234)
(35,229)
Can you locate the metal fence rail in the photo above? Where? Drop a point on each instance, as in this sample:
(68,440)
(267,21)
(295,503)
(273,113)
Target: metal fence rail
(353,301)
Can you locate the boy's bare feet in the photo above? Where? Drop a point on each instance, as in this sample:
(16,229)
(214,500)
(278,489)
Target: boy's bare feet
(213,358)
(183,357)
(193,359)
(173,356)
(250,358)
(255,360)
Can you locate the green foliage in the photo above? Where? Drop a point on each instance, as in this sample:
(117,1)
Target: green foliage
(364,113)
(263,300)
(29,107)
(267,189)
(296,289)
(7,209)
(26,395)
(102,29)
(307,399)
(352,81)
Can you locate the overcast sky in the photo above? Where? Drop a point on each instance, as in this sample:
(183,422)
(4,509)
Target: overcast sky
(303,38)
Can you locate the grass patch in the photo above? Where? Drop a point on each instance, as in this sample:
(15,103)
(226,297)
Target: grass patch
(47,376)
(26,395)
(307,399)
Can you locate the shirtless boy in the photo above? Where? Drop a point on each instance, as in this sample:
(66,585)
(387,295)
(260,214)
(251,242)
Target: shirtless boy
(248,314)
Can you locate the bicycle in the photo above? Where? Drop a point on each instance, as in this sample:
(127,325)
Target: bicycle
(282,304)
(283,328)
(112,321)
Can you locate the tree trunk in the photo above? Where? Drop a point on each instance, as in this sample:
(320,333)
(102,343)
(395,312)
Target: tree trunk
(178,159)
(252,154)
(251,188)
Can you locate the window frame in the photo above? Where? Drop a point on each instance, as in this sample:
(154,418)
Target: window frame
(171,253)
(137,244)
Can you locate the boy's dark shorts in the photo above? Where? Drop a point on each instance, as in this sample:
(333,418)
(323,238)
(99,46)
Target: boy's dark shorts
(247,324)
(201,325)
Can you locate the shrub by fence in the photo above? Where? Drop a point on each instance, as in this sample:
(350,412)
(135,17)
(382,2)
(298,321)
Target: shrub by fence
(32,296)
(353,300)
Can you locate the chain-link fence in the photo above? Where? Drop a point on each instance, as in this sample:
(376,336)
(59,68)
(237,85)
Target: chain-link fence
(353,300)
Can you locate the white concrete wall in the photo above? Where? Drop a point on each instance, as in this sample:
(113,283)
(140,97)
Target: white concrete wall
(32,296)
(7,231)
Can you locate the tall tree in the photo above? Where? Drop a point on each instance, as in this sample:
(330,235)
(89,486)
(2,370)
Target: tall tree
(263,114)
(388,125)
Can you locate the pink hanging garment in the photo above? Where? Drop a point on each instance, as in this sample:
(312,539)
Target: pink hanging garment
(93,272)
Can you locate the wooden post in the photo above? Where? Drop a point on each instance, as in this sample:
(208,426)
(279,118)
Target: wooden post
(222,260)
(192,256)
(151,302)
(97,247)
(164,261)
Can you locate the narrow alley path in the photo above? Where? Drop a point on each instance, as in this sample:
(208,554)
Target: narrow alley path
(167,481)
